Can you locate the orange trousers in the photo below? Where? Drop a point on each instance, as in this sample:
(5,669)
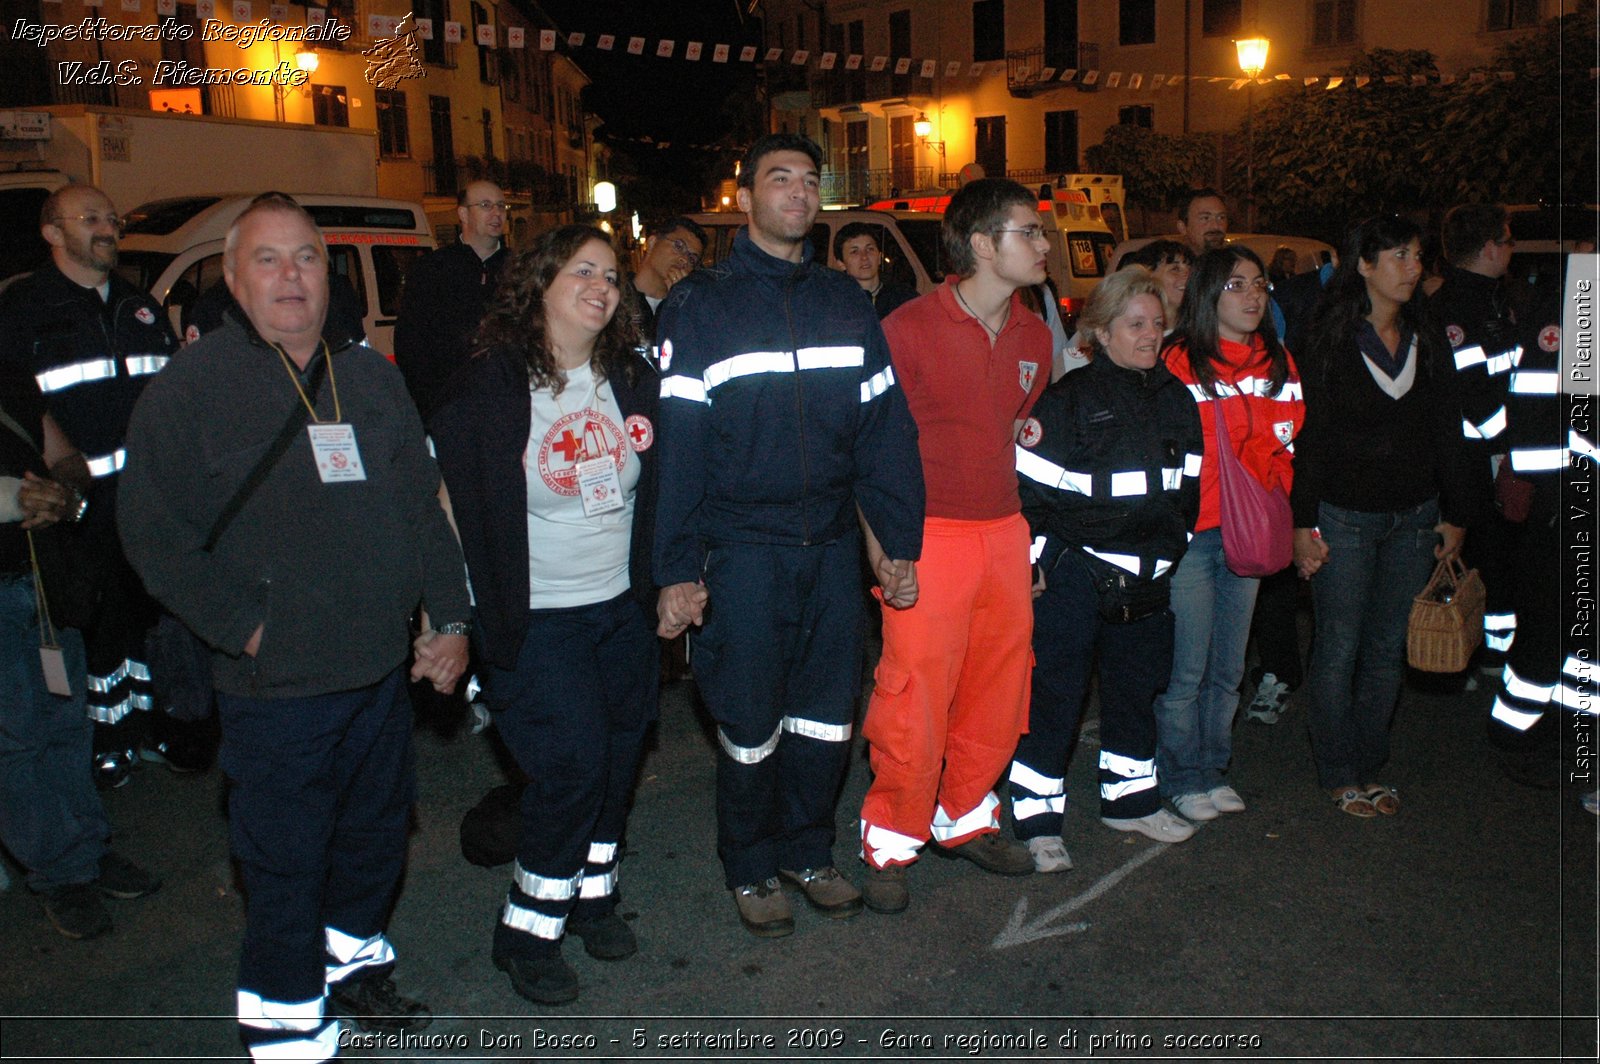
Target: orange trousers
(951,692)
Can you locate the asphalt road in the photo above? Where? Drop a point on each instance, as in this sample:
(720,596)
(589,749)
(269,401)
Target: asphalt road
(1464,927)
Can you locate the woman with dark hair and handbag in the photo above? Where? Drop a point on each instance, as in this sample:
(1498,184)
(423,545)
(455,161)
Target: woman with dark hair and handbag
(544,441)
(1383,487)
(1109,469)
(1244,383)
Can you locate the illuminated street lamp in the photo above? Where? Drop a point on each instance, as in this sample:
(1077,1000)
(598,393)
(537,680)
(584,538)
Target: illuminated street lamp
(1252,61)
(605,197)
(305,60)
(924,129)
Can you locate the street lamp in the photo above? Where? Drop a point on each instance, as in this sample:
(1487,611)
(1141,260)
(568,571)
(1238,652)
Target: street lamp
(924,129)
(1252,61)
(305,59)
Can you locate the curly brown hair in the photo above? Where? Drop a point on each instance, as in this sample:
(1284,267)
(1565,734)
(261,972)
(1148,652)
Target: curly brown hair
(515,318)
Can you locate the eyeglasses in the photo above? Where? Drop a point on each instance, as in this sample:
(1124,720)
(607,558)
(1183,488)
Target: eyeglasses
(1508,242)
(493,206)
(1239,284)
(685,252)
(1032,232)
(92,220)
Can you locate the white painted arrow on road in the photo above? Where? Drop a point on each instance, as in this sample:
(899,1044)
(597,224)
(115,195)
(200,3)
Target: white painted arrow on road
(1019,931)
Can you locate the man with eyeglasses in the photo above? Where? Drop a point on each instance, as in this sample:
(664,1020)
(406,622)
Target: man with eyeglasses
(446,294)
(1479,322)
(672,252)
(90,340)
(951,697)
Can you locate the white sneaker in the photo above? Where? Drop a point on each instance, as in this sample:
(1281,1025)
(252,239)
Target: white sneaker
(1049,854)
(1225,799)
(1270,700)
(1198,806)
(1160,825)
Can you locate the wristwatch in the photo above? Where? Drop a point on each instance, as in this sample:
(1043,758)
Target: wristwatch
(454,628)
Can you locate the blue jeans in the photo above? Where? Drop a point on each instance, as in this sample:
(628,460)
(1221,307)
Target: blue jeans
(1194,717)
(1377,562)
(51,818)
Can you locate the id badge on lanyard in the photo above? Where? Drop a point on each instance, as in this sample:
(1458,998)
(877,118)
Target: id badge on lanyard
(600,486)
(334,447)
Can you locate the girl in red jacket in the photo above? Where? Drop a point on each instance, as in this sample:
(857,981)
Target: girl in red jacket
(1226,351)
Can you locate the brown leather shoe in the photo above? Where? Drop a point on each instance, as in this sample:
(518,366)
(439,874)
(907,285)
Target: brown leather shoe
(993,852)
(885,890)
(827,890)
(764,909)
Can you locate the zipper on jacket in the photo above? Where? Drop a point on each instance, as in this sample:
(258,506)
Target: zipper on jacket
(800,406)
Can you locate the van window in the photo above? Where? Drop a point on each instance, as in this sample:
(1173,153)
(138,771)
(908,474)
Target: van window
(160,217)
(342,216)
(345,261)
(896,269)
(143,269)
(923,236)
(391,263)
(199,277)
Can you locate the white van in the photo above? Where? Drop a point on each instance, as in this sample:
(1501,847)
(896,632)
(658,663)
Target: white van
(173,249)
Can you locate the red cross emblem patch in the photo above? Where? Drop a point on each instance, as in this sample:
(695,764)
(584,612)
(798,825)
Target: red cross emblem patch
(664,355)
(1455,335)
(1550,338)
(641,434)
(1026,371)
(145,315)
(1032,432)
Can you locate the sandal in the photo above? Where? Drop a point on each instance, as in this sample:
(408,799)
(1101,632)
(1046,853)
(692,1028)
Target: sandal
(1383,799)
(1356,804)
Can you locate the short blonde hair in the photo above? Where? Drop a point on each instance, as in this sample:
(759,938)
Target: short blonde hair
(1111,298)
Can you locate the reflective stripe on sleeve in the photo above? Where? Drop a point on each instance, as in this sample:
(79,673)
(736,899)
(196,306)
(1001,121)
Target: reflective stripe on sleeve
(1171,478)
(107,464)
(1036,550)
(1505,361)
(1467,357)
(1580,670)
(844,357)
(139,365)
(1191,464)
(1537,459)
(877,384)
(1046,472)
(73,374)
(1535,382)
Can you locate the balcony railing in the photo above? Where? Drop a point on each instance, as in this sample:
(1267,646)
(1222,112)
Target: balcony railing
(836,88)
(840,187)
(1026,68)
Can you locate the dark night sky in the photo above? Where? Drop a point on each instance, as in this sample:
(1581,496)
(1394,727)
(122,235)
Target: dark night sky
(667,99)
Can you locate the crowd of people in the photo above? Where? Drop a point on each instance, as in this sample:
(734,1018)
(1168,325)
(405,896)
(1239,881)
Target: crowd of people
(575,468)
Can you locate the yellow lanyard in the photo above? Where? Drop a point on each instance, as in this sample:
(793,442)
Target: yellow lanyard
(295,378)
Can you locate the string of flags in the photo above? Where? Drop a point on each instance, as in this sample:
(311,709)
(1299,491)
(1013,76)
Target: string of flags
(486,34)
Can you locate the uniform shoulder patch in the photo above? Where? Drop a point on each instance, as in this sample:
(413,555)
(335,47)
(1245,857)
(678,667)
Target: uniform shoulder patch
(1032,432)
(1550,338)
(641,434)
(1455,335)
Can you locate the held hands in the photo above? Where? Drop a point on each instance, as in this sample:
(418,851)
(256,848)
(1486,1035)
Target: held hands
(1310,552)
(43,502)
(898,579)
(678,606)
(440,659)
(1450,540)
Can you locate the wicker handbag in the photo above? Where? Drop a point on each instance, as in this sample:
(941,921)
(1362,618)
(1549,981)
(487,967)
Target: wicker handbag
(1446,623)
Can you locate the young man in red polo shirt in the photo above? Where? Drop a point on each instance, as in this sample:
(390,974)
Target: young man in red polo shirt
(951,695)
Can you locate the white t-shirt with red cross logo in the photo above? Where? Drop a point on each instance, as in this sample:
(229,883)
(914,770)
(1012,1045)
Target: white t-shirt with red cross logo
(576,558)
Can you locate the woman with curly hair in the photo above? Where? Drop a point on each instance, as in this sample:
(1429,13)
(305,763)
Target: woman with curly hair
(544,441)
(1226,350)
(1383,487)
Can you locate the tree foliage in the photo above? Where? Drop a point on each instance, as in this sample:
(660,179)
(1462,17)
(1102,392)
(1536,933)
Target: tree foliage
(1325,157)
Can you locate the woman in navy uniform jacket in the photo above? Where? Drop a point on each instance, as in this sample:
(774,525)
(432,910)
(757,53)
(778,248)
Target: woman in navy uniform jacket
(545,444)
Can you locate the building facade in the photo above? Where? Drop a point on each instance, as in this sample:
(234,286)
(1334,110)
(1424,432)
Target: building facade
(1022,87)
